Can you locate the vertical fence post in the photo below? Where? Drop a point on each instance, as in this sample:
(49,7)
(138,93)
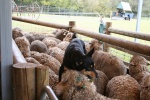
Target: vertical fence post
(71,24)
(108,24)
(42,79)
(24,81)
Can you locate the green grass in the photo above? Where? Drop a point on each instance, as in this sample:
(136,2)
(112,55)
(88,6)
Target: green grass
(91,24)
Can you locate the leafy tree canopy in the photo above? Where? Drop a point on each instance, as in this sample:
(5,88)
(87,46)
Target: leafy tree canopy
(101,6)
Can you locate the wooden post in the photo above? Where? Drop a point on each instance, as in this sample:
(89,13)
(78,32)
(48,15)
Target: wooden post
(24,81)
(71,24)
(106,47)
(42,79)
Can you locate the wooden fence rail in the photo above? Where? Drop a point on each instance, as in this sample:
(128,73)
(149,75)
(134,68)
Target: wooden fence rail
(132,46)
(36,22)
(133,34)
(128,45)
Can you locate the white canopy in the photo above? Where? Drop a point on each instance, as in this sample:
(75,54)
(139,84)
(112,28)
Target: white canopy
(124,6)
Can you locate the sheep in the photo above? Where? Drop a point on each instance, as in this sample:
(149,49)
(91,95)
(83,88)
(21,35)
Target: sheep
(76,86)
(17,32)
(46,60)
(138,67)
(29,36)
(87,46)
(38,36)
(63,45)
(49,42)
(69,36)
(111,65)
(24,45)
(38,46)
(123,87)
(138,64)
(53,78)
(60,33)
(57,53)
(145,88)
(96,44)
(140,76)
(101,82)
(55,39)
(32,60)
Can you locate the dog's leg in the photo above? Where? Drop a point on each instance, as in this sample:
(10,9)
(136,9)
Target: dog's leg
(61,70)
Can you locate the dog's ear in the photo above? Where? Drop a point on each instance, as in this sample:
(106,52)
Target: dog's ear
(90,53)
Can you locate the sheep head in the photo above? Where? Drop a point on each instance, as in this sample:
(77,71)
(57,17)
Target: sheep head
(136,60)
(69,36)
(60,33)
(138,64)
(96,44)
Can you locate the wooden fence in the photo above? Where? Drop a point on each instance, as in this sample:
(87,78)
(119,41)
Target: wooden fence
(110,41)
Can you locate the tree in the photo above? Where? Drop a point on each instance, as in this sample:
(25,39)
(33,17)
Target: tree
(102,6)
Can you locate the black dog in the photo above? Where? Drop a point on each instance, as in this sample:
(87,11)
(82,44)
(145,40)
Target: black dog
(76,58)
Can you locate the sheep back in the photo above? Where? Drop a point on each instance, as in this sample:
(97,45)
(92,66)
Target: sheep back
(47,60)
(145,88)
(56,53)
(29,36)
(101,82)
(24,45)
(111,65)
(63,45)
(32,60)
(38,46)
(53,78)
(140,76)
(49,42)
(123,88)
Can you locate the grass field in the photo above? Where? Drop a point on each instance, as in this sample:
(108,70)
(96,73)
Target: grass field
(91,24)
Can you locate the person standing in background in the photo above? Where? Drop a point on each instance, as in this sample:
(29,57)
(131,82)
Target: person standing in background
(129,17)
(102,25)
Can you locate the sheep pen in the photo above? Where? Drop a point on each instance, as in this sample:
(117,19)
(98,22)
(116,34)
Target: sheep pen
(51,52)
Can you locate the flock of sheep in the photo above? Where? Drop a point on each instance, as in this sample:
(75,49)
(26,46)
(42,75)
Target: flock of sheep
(113,82)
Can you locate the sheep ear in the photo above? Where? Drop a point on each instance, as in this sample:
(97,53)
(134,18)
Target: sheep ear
(132,64)
(65,78)
(90,53)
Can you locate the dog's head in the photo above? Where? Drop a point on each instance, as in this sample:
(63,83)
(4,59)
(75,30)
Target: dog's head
(86,65)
